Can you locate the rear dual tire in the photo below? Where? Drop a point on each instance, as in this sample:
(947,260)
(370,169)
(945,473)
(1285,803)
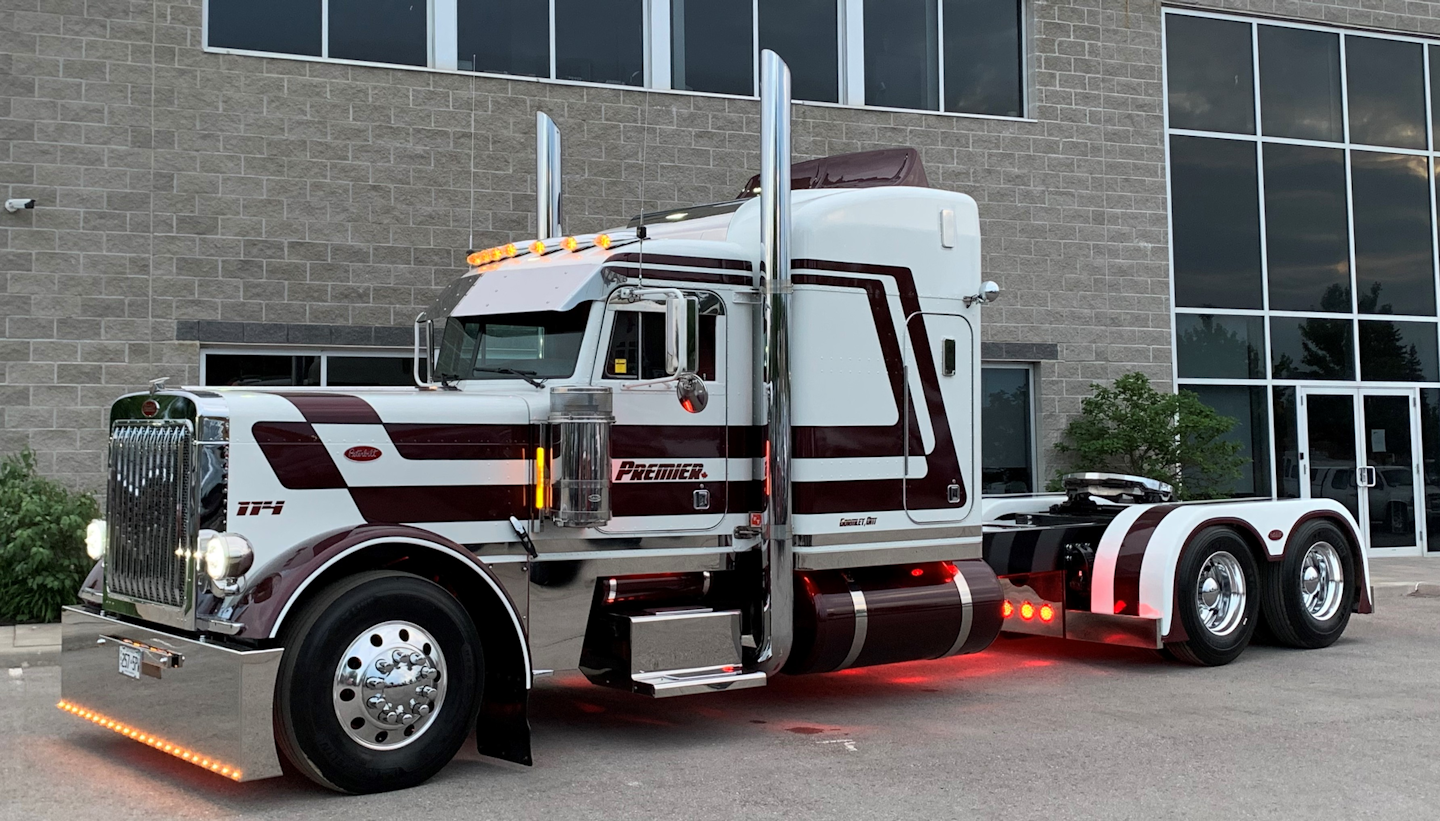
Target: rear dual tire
(379,684)
(1309,594)
(1217,594)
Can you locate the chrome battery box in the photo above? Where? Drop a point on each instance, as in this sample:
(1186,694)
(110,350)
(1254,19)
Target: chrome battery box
(202,702)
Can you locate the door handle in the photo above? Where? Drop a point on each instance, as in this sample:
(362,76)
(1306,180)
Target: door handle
(1365,476)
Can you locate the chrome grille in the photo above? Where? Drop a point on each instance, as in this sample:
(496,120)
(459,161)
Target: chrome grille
(150,511)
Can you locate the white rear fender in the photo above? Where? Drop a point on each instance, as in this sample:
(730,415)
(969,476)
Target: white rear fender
(1138,557)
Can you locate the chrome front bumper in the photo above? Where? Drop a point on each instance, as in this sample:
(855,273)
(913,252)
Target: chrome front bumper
(203,703)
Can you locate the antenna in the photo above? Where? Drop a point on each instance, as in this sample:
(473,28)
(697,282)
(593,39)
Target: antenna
(471,218)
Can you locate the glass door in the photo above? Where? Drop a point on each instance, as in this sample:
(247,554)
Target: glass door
(1391,471)
(1360,448)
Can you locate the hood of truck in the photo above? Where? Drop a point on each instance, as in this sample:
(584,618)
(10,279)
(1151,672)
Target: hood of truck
(308,462)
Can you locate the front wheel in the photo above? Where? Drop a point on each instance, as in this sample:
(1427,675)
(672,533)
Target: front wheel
(1217,598)
(367,702)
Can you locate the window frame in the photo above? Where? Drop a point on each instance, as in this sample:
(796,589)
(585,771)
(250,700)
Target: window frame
(324,354)
(443,49)
(1032,380)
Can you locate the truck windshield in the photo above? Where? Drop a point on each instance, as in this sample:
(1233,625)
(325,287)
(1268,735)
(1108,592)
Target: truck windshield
(539,345)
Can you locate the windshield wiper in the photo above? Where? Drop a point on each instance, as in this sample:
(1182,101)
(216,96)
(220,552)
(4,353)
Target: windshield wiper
(447,380)
(528,376)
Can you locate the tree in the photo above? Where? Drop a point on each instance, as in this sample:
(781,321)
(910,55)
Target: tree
(1174,437)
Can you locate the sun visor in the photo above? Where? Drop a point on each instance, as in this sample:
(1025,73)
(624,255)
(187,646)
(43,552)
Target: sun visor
(530,285)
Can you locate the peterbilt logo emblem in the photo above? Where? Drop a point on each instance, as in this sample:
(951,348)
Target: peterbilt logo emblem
(362,453)
(643,472)
(256,508)
(150,408)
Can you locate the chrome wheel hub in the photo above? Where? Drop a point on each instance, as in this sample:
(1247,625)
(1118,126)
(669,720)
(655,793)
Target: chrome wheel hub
(1322,581)
(1220,594)
(389,685)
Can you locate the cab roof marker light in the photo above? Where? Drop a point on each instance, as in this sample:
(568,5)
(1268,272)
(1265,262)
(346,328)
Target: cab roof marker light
(160,744)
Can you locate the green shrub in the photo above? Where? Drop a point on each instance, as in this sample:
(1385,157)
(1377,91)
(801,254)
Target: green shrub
(1173,437)
(42,542)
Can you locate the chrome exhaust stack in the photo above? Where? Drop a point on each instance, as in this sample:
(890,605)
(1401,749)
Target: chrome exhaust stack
(777,617)
(547,177)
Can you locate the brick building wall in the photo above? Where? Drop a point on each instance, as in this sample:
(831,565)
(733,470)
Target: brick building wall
(189,196)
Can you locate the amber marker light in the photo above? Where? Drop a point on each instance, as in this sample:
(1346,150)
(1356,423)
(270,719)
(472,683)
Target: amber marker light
(603,241)
(539,479)
(508,250)
(475,259)
(537,247)
(570,244)
(232,773)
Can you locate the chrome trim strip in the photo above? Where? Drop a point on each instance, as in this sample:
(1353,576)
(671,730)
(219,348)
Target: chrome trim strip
(548,182)
(862,626)
(835,558)
(966,613)
(912,535)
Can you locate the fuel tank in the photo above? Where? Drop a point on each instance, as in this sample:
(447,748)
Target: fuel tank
(880,615)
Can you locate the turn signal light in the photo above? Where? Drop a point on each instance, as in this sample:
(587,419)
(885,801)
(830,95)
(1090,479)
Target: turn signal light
(1027,611)
(160,744)
(1047,613)
(539,480)
(1119,606)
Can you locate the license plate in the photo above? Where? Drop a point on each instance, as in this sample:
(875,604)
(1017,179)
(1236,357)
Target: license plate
(129,662)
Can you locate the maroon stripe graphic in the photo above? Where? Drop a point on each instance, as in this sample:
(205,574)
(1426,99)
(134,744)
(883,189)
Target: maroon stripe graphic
(475,442)
(671,259)
(747,441)
(1132,557)
(441,503)
(942,464)
(333,408)
(297,456)
(667,441)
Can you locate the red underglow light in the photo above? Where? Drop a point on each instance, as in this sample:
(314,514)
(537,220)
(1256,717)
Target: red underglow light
(1007,609)
(1119,605)
(918,571)
(1027,611)
(158,743)
(1047,613)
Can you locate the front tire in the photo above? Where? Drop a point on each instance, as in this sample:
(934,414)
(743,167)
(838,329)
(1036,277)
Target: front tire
(379,684)
(1217,597)
(1310,593)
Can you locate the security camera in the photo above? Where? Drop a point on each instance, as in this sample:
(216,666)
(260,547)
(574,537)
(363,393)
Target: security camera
(17,204)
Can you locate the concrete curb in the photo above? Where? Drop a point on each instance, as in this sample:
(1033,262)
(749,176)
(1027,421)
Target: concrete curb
(29,645)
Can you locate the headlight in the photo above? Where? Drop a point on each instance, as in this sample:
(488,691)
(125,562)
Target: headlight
(95,537)
(227,555)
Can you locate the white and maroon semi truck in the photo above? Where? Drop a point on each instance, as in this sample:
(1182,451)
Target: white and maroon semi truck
(720,444)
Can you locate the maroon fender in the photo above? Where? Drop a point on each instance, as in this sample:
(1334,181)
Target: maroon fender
(261,604)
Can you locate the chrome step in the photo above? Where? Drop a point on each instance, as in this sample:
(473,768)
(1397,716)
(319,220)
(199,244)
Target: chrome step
(667,683)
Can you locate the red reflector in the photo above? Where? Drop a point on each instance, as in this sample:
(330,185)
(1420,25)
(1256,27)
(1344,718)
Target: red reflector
(919,571)
(1027,611)
(1047,613)
(1007,609)
(1119,606)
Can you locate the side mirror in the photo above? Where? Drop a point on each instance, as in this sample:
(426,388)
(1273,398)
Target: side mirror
(690,390)
(989,292)
(682,334)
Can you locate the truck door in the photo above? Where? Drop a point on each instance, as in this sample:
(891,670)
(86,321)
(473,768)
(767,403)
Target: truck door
(940,366)
(668,466)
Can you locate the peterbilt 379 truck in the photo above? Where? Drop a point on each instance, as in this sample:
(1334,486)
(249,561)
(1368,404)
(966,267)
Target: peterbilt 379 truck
(717,445)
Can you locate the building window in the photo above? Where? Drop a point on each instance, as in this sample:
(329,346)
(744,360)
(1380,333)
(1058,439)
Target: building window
(1302,203)
(960,56)
(306,368)
(1007,431)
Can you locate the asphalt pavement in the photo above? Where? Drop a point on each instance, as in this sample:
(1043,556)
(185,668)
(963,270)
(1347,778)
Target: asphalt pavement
(1030,730)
